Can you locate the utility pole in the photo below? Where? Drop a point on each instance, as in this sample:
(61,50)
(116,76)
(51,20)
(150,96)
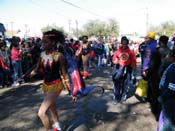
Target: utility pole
(69,22)
(11,27)
(25,31)
(147,20)
(76,22)
(6,25)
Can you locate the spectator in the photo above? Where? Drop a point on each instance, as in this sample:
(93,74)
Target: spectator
(125,62)
(4,65)
(167,98)
(16,57)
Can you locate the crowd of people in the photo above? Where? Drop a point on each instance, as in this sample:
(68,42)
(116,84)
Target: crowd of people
(51,56)
(157,69)
(16,58)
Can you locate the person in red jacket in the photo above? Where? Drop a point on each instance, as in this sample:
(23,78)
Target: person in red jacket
(125,62)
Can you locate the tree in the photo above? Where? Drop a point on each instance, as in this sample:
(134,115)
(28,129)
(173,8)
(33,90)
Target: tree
(167,28)
(91,28)
(113,27)
(54,26)
(104,28)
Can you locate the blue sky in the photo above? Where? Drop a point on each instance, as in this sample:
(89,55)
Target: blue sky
(131,14)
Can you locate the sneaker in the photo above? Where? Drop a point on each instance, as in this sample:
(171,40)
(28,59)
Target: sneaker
(55,129)
(115,101)
(21,81)
(85,74)
(15,84)
(84,77)
(123,98)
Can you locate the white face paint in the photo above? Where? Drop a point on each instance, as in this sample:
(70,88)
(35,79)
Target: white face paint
(46,58)
(58,44)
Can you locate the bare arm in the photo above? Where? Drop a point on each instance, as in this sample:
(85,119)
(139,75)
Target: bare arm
(64,73)
(34,71)
(62,63)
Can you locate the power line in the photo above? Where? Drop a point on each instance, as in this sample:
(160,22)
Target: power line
(76,6)
(55,11)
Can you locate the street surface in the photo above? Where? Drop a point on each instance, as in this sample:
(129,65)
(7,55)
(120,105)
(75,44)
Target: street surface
(95,112)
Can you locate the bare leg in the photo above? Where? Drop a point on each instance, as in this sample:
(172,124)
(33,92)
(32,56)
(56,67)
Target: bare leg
(85,62)
(54,113)
(46,104)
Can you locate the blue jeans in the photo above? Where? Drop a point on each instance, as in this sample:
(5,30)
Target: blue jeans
(121,79)
(99,61)
(3,76)
(17,70)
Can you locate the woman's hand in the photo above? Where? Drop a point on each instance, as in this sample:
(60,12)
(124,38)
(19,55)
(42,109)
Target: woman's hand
(145,73)
(31,74)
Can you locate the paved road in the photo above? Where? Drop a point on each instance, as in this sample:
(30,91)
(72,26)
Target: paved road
(94,112)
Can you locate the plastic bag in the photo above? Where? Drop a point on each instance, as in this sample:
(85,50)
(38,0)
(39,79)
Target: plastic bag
(142,88)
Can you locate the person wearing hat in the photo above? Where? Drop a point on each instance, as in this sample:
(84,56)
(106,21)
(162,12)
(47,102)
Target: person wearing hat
(150,48)
(151,45)
(149,71)
(125,62)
